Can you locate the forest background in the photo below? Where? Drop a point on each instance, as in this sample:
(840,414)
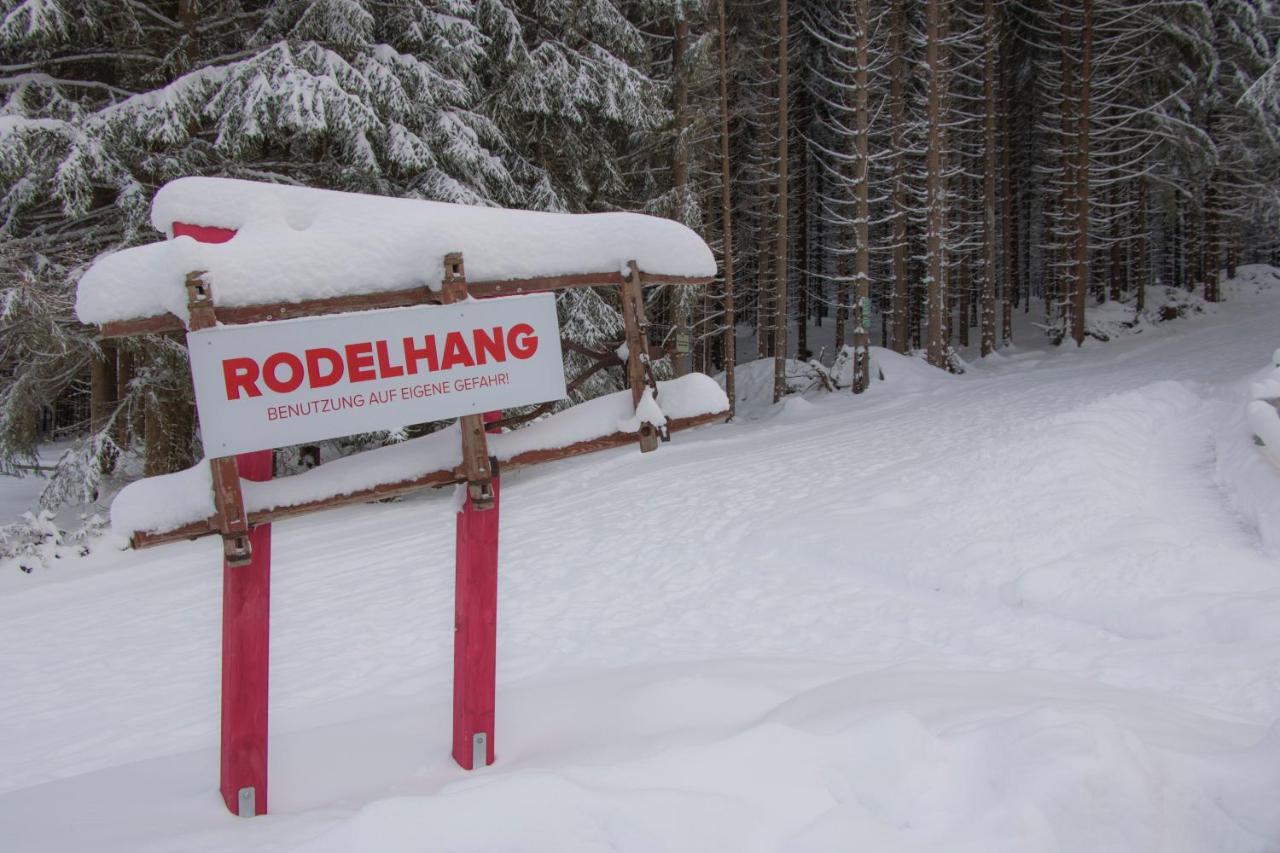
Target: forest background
(910,172)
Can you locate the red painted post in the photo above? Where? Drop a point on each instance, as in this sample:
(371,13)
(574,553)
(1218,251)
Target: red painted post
(246,613)
(475,630)
(246,610)
(203,233)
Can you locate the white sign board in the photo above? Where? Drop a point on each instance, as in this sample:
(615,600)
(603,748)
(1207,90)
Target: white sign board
(266,385)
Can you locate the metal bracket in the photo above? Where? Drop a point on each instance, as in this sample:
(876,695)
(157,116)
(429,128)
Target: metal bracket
(236,550)
(247,802)
(479,750)
(481,495)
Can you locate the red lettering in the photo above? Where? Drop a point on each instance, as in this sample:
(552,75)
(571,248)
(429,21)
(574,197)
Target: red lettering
(456,352)
(489,345)
(521,340)
(414,354)
(360,362)
(240,374)
(270,374)
(386,369)
(320,379)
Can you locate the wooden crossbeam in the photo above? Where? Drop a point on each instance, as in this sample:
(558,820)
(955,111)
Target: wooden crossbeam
(229,517)
(476,469)
(639,368)
(433,480)
(239,315)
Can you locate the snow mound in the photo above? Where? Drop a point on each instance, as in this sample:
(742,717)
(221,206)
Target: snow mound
(1253,485)
(753,384)
(997,770)
(167,502)
(905,371)
(297,243)
(754,379)
(1256,277)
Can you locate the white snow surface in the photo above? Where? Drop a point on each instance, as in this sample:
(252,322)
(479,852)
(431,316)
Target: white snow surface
(297,243)
(167,502)
(1028,608)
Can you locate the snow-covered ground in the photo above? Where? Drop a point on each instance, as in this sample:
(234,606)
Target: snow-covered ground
(19,494)
(1035,607)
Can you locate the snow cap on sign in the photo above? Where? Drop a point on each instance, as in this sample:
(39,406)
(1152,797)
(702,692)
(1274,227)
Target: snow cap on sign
(296,243)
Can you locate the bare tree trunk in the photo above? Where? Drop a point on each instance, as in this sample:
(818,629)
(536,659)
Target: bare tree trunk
(842,291)
(680,183)
(765,319)
(1142,274)
(1191,247)
(726,212)
(862,215)
(1012,284)
(188,18)
(1181,248)
(102,386)
(898,120)
(1082,176)
(935,188)
(1115,265)
(780,253)
(802,258)
(989,236)
(1212,263)
(1069,213)
(125,429)
(169,425)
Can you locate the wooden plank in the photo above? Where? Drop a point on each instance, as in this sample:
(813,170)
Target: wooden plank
(382,492)
(475,468)
(636,326)
(617,439)
(433,480)
(142,326)
(238,315)
(228,501)
(229,513)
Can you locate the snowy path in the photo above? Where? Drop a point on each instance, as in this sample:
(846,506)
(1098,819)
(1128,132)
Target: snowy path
(1012,610)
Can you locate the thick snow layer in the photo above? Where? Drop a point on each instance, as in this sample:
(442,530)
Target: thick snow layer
(165,502)
(1265,421)
(1267,387)
(297,243)
(1244,445)
(168,502)
(1024,609)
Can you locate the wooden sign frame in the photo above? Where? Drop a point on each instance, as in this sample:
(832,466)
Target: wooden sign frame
(246,536)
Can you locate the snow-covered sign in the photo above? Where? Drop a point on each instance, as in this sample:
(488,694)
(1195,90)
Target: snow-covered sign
(311,314)
(266,385)
(298,244)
